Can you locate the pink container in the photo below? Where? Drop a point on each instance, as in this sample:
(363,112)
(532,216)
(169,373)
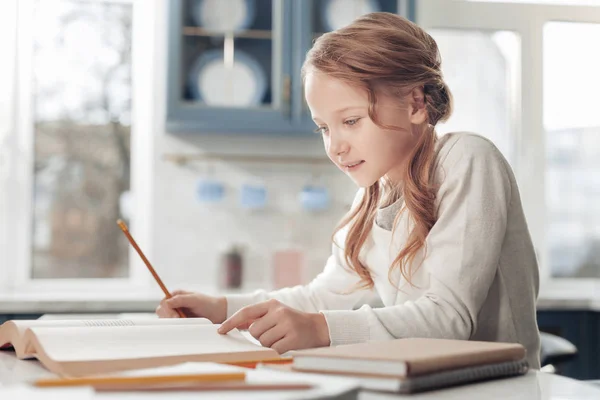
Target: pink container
(288,268)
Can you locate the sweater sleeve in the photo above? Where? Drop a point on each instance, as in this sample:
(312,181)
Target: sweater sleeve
(463,251)
(332,289)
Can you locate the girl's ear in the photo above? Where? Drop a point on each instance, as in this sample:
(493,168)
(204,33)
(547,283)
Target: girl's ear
(416,106)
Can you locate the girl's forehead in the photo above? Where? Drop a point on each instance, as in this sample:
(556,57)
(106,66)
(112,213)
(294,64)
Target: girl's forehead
(318,84)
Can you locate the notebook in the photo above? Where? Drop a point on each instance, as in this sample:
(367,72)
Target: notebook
(403,358)
(430,381)
(84,347)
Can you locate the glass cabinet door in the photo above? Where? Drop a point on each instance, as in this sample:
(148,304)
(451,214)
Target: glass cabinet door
(229,68)
(315,17)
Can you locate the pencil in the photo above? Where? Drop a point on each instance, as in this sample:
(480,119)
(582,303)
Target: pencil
(125,381)
(253,364)
(204,387)
(150,268)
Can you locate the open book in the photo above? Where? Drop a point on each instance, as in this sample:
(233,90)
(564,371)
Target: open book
(84,347)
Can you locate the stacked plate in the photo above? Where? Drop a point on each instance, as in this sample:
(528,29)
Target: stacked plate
(212,79)
(224,15)
(217,83)
(339,13)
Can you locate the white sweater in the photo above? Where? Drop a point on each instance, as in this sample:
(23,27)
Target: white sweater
(479,279)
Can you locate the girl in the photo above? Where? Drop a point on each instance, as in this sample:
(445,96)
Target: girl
(436,231)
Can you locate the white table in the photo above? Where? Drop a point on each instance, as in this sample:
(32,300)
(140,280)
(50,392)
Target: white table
(16,374)
(534,385)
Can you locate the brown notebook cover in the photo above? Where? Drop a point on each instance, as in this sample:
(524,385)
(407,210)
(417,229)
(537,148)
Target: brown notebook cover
(406,357)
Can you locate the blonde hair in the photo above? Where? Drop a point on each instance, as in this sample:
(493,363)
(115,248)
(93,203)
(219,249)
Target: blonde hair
(384,51)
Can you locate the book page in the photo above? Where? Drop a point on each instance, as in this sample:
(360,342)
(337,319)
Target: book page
(187,368)
(13,331)
(74,344)
(22,325)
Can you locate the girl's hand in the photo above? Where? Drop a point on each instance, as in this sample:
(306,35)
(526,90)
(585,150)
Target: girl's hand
(280,327)
(194,305)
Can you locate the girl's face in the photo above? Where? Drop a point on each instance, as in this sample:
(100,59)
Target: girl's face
(360,148)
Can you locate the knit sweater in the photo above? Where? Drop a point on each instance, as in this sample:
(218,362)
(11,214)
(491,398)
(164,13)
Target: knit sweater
(478,275)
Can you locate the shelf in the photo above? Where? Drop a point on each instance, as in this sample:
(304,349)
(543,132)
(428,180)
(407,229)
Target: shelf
(249,34)
(182,158)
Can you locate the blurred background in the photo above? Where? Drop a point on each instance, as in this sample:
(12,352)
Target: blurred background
(186,119)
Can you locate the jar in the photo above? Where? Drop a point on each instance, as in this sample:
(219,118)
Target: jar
(231,271)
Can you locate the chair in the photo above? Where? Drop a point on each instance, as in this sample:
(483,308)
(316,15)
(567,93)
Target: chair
(555,351)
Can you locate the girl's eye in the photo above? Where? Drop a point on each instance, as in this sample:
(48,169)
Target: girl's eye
(321,130)
(351,122)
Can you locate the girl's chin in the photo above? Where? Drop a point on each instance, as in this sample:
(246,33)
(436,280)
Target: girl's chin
(364,183)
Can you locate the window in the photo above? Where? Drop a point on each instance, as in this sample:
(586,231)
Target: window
(481,69)
(552,133)
(572,135)
(73,149)
(548,2)
(81,73)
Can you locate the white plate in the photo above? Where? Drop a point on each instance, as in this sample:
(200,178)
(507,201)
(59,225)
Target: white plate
(339,13)
(242,84)
(223,15)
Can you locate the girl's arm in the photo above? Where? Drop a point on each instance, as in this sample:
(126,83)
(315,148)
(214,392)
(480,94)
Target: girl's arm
(332,289)
(463,251)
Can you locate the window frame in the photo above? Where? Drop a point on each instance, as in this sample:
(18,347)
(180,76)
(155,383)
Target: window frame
(527,20)
(16,202)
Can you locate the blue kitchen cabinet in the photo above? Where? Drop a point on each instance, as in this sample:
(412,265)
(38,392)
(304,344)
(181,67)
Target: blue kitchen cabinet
(232,75)
(234,66)
(582,328)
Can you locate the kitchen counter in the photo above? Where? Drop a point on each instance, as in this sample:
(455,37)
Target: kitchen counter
(587,298)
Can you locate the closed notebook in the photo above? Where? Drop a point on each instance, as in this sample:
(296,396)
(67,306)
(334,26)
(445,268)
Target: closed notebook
(405,357)
(77,348)
(431,381)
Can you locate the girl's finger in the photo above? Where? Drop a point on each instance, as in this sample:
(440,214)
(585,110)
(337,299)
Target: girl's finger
(246,325)
(284,345)
(261,325)
(273,335)
(163,312)
(244,316)
(180,300)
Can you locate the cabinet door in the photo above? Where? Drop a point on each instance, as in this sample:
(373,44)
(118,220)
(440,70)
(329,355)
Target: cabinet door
(229,65)
(312,18)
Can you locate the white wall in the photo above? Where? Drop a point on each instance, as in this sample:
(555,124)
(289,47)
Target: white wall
(188,237)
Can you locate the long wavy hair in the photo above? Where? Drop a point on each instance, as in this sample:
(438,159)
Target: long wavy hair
(386,52)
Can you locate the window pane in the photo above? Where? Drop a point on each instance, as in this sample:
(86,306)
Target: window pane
(554,2)
(481,69)
(572,129)
(82,109)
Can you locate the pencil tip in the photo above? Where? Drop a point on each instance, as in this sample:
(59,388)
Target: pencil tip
(121,224)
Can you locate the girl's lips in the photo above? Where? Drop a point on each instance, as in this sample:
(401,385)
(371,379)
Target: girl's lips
(354,167)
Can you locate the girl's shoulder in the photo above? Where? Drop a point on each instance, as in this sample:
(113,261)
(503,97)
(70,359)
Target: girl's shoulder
(456,147)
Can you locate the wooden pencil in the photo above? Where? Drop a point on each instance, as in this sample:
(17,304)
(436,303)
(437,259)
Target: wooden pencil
(150,268)
(205,387)
(125,381)
(253,364)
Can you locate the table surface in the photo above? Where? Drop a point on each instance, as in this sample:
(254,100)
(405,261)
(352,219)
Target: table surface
(534,385)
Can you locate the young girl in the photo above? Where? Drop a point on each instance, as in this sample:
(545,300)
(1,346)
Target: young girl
(436,231)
